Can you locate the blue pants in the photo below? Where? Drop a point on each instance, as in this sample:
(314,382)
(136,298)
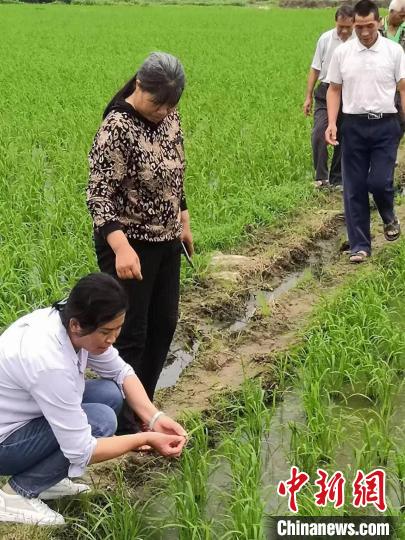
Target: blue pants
(32,456)
(369,149)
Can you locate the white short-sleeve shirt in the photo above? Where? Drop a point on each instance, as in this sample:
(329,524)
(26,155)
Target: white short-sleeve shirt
(326,46)
(368,76)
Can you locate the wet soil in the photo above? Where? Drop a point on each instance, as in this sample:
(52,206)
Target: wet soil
(235,330)
(239,332)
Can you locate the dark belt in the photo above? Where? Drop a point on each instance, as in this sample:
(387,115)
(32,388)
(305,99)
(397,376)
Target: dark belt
(373,115)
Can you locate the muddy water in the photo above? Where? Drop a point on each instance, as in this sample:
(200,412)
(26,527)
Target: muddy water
(178,359)
(274,456)
(356,410)
(323,253)
(181,354)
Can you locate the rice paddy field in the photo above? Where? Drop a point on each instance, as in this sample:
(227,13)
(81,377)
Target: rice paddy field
(336,399)
(246,139)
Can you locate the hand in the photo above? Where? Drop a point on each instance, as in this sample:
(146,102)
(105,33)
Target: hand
(166,445)
(186,235)
(307,107)
(127,263)
(330,135)
(165,424)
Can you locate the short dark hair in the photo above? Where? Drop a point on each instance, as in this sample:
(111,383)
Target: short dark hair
(95,299)
(365,7)
(161,74)
(345,11)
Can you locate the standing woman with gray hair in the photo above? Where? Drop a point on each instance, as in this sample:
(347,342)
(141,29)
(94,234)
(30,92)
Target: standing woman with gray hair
(136,199)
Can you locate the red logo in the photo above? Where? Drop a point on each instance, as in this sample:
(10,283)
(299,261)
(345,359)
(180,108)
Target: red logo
(330,489)
(367,489)
(292,486)
(370,489)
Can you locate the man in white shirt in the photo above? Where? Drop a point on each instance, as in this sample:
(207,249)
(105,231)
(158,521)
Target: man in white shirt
(365,73)
(325,47)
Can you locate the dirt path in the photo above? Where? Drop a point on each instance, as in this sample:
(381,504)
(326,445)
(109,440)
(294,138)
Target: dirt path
(225,357)
(243,314)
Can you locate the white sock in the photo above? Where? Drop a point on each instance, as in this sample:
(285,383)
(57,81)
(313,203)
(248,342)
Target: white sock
(8,489)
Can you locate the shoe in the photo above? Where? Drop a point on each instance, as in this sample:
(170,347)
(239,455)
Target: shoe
(392,230)
(64,488)
(18,509)
(321,184)
(359,257)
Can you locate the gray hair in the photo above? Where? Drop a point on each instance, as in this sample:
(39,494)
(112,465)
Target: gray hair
(396,5)
(344,12)
(162,75)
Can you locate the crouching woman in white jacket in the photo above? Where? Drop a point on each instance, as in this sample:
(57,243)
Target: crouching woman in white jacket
(53,423)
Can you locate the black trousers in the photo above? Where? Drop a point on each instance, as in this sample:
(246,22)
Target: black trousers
(319,146)
(368,157)
(151,320)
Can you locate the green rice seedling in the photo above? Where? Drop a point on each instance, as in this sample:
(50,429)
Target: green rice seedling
(377,444)
(302,452)
(326,357)
(243,452)
(381,387)
(314,442)
(248,405)
(246,506)
(398,476)
(307,503)
(263,304)
(188,486)
(118,517)
(281,373)
(253,415)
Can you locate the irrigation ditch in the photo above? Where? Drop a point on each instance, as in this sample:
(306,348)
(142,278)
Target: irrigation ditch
(334,400)
(296,360)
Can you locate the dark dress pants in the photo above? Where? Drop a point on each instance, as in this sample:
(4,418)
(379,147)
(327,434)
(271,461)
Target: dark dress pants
(319,146)
(152,316)
(369,149)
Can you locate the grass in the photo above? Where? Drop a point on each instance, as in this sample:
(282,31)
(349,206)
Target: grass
(247,142)
(184,504)
(121,517)
(356,345)
(353,347)
(189,487)
(248,166)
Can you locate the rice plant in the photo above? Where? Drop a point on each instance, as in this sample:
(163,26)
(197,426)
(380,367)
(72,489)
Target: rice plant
(188,486)
(243,452)
(119,516)
(246,166)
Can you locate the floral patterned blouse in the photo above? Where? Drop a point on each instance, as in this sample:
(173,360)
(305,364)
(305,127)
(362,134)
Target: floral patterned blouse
(136,176)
